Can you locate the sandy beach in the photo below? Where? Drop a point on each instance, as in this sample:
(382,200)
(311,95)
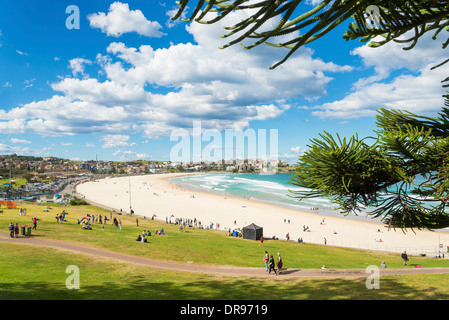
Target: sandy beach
(156,195)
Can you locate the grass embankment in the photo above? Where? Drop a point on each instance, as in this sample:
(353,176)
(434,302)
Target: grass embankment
(17,182)
(31,273)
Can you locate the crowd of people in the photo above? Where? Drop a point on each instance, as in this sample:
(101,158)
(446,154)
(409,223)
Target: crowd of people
(145,233)
(60,218)
(101,220)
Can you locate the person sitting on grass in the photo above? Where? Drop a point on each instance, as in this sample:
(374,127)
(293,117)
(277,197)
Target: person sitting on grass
(139,238)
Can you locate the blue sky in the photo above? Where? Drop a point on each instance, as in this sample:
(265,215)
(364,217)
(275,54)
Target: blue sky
(121,84)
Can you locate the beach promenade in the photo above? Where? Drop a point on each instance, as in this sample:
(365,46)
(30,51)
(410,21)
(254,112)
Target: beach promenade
(156,196)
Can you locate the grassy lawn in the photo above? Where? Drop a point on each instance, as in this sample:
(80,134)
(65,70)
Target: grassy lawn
(30,273)
(196,245)
(17,184)
(27,275)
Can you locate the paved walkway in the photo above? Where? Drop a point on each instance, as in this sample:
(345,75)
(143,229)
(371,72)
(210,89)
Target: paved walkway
(217,270)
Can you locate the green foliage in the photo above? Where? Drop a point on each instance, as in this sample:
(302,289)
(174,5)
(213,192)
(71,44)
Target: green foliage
(393,20)
(383,174)
(78,202)
(355,174)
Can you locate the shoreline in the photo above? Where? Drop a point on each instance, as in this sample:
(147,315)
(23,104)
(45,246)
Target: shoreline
(320,211)
(158,195)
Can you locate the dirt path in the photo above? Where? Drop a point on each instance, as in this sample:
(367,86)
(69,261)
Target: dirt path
(217,270)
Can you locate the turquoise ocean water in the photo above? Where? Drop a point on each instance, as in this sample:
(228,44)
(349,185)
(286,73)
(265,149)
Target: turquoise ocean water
(272,188)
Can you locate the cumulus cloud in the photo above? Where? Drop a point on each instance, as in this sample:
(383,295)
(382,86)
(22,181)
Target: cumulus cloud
(19,141)
(221,88)
(77,66)
(418,90)
(120,19)
(420,94)
(295,149)
(116,141)
(18,149)
(6,149)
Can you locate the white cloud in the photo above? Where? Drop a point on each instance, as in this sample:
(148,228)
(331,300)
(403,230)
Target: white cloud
(22,53)
(29,83)
(313,2)
(20,141)
(171,13)
(77,66)
(221,88)
(116,141)
(6,149)
(120,19)
(295,149)
(417,90)
(21,150)
(131,155)
(392,56)
(421,94)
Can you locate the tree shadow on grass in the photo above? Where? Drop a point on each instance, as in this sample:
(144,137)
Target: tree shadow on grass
(206,288)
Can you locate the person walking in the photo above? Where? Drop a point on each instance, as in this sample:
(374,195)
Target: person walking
(272,266)
(265,260)
(261,241)
(404,257)
(11,230)
(279,263)
(34,223)
(16,230)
